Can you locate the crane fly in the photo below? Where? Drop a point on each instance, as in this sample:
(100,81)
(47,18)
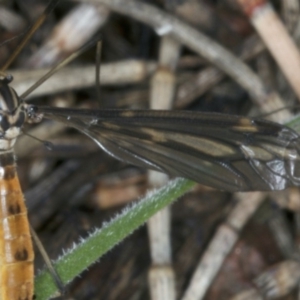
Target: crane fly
(222,151)
(226,152)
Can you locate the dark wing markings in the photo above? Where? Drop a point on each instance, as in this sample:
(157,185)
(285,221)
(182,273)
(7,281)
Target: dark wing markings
(258,155)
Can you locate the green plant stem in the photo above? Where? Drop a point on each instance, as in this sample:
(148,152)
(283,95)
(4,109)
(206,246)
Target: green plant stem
(78,259)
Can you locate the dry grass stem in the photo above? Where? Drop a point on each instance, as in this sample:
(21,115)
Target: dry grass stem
(161,274)
(69,35)
(221,244)
(213,52)
(124,72)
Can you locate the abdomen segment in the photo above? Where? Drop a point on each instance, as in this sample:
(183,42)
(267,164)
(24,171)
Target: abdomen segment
(16,251)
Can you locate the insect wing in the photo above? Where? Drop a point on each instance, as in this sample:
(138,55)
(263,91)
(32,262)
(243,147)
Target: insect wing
(222,151)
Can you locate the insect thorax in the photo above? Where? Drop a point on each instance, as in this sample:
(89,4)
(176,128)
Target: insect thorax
(12,114)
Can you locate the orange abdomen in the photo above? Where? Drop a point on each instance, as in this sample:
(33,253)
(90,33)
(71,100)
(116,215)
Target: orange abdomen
(16,251)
